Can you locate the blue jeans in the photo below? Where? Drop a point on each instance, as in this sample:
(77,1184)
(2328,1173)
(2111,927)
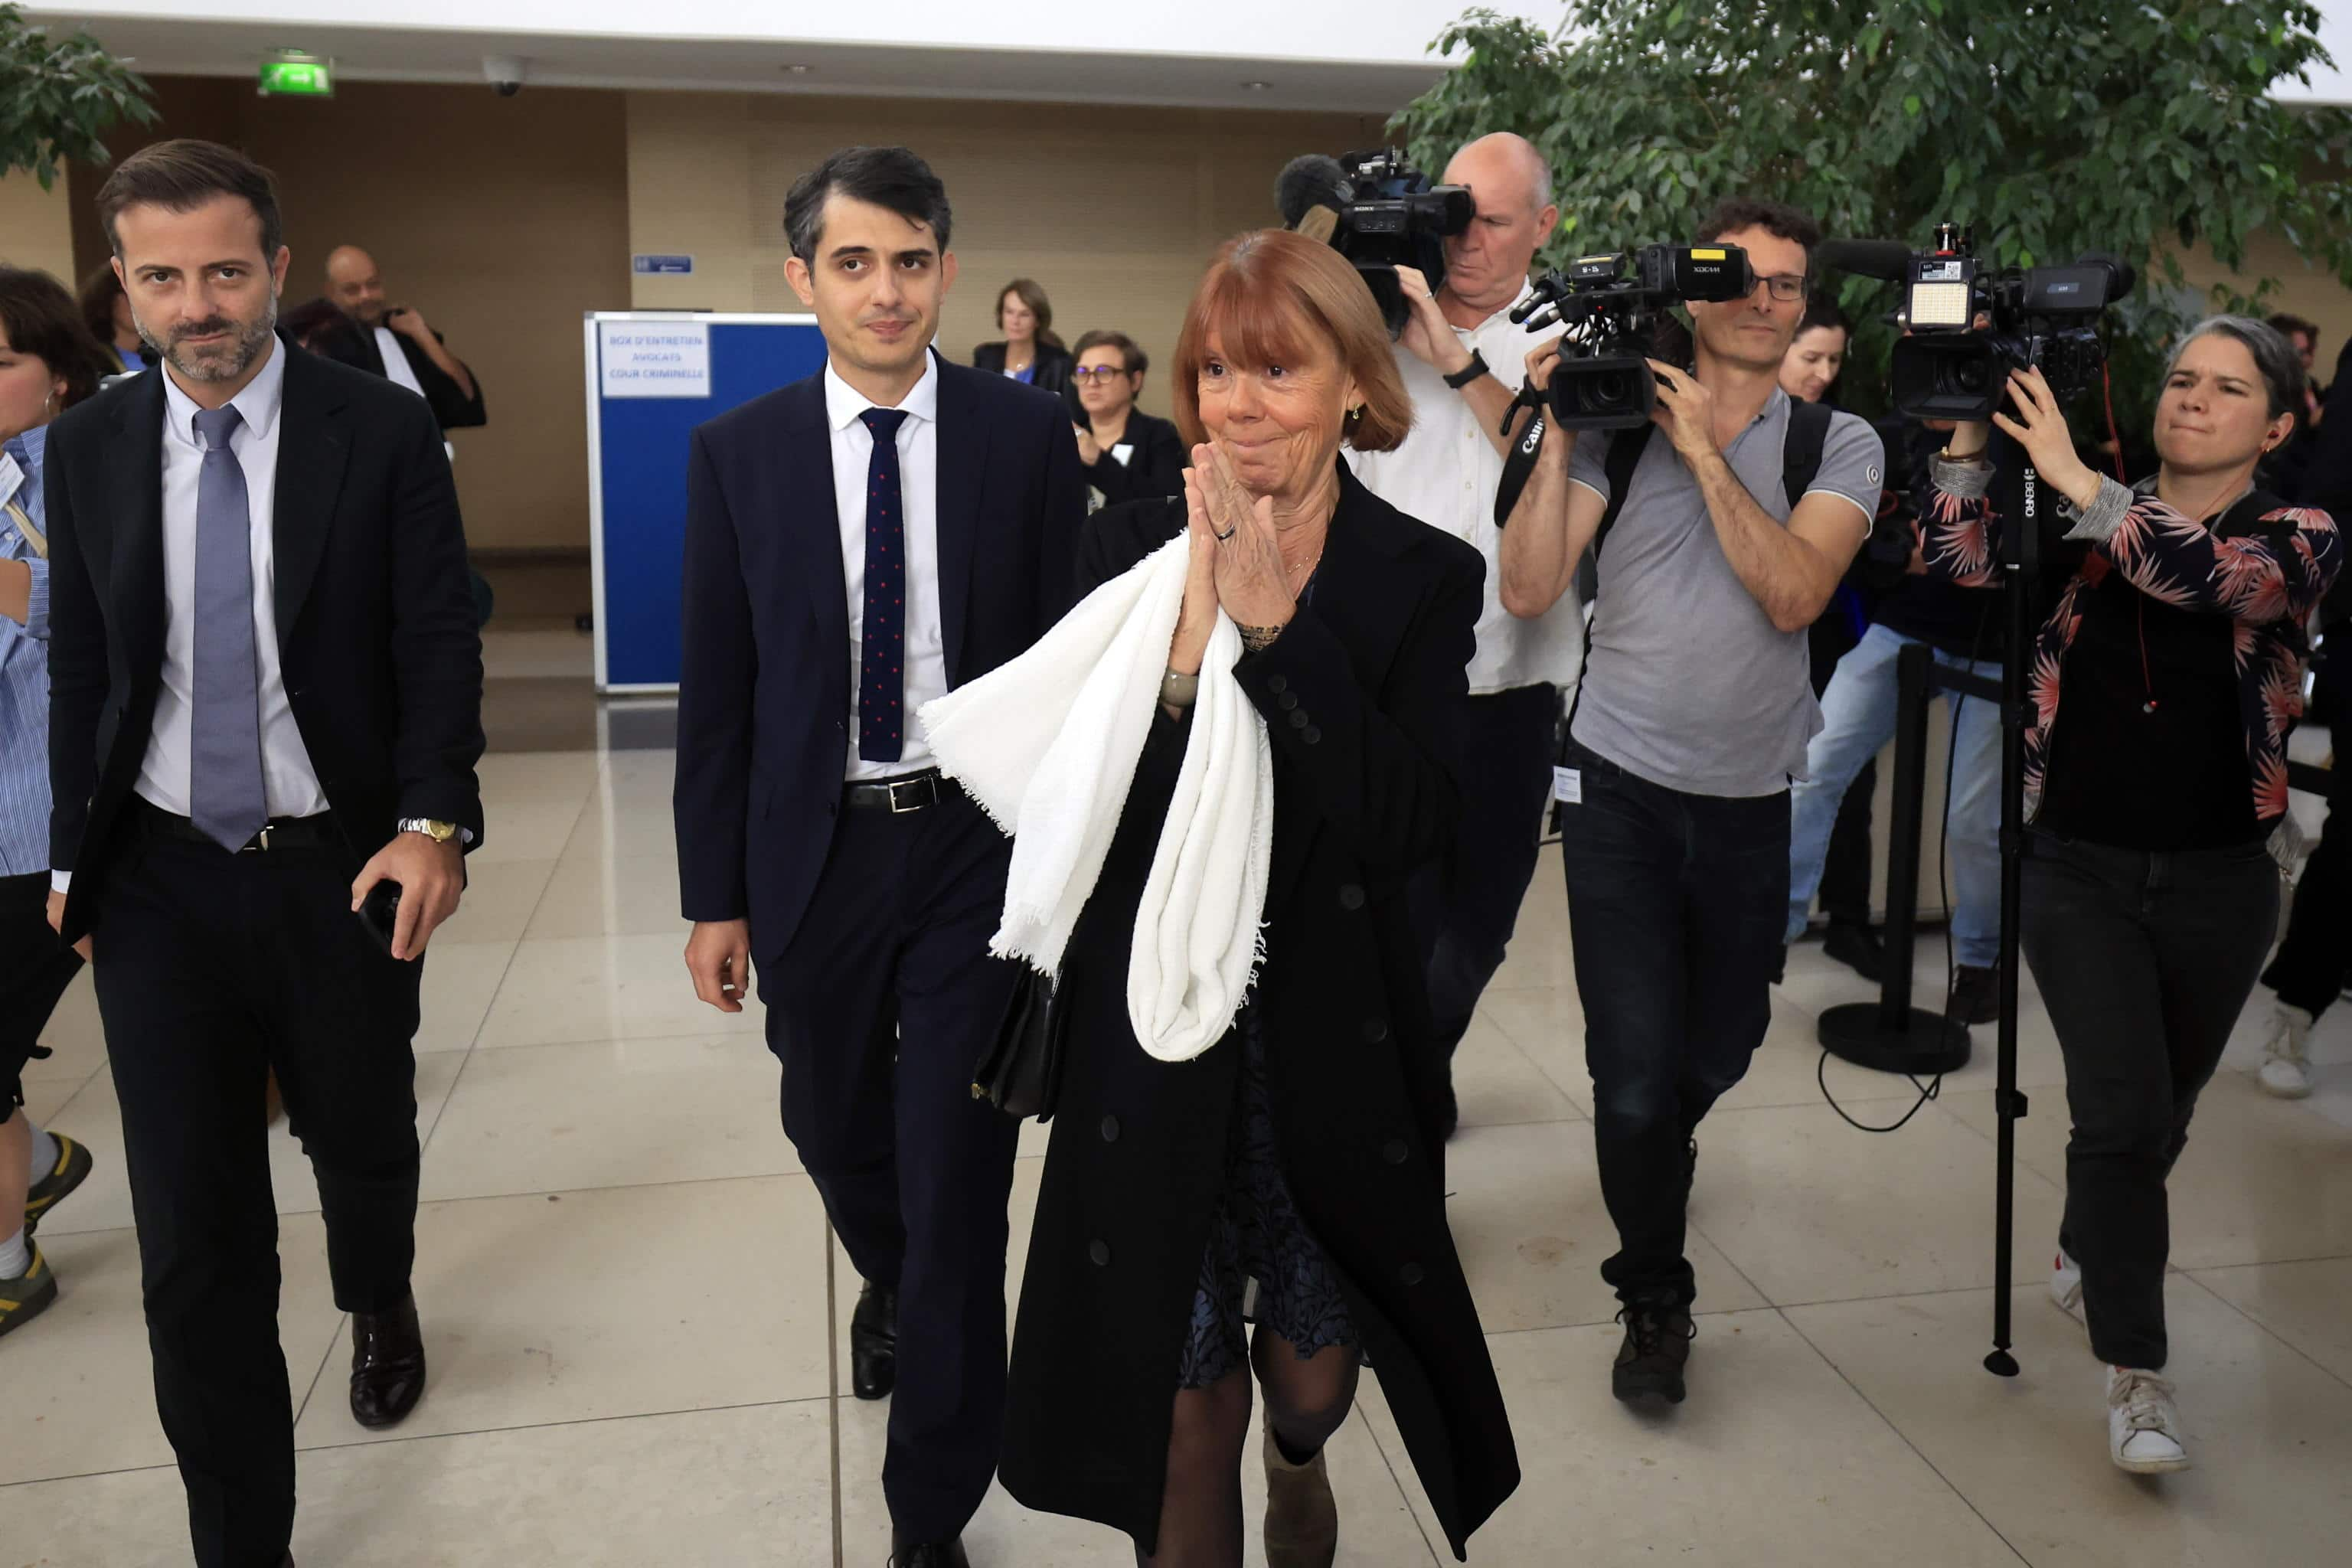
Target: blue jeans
(1673,905)
(1857,720)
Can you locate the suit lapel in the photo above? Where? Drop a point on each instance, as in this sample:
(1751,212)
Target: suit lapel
(962,478)
(135,532)
(313,445)
(800,467)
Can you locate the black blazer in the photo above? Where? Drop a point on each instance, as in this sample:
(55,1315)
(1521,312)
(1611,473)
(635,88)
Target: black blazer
(764,696)
(375,618)
(347,342)
(1155,468)
(1363,695)
(1052,373)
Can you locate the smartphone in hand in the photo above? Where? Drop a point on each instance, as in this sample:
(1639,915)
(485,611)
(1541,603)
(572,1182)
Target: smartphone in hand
(379,911)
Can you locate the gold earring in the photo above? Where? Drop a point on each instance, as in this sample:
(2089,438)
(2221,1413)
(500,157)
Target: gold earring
(1355,414)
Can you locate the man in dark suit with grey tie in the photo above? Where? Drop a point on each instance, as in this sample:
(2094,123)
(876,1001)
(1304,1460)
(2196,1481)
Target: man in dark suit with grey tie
(266,700)
(857,544)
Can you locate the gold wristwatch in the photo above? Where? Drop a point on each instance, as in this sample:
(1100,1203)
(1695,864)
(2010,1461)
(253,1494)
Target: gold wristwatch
(439,832)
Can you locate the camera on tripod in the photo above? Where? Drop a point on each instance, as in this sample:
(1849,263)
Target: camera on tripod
(1381,213)
(1949,368)
(1603,380)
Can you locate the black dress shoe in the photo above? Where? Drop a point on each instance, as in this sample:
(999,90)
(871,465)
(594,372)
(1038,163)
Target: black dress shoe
(928,1553)
(1976,994)
(387,1364)
(1858,947)
(874,1348)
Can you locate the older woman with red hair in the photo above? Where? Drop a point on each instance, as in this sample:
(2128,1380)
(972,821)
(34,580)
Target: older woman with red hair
(1289,1178)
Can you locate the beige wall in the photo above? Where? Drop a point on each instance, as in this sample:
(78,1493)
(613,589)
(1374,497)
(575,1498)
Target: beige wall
(2303,291)
(1114,210)
(37,226)
(501,220)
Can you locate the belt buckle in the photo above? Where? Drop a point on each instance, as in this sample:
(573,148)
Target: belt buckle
(896,785)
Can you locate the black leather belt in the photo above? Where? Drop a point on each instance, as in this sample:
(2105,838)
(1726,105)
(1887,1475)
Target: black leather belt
(279,833)
(897,796)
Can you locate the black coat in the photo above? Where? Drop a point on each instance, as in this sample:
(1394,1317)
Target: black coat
(1155,468)
(764,688)
(345,341)
(1363,695)
(1051,374)
(376,638)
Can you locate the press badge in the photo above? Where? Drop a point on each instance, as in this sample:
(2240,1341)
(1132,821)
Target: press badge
(1568,785)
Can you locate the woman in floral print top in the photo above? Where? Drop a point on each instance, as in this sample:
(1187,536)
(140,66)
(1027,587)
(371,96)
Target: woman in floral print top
(2163,690)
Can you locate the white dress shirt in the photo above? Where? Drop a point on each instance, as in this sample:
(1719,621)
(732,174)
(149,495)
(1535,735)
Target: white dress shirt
(291,785)
(395,363)
(1446,474)
(926,664)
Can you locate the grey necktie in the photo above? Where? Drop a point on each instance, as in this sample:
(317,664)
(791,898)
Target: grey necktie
(226,798)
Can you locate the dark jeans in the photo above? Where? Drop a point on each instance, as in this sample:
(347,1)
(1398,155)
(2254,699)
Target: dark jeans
(214,969)
(1465,906)
(2145,961)
(35,970)
(2316,959)
(878,1008)
(1675,906)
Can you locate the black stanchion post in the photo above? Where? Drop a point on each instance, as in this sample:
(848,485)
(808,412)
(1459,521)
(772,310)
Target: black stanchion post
(1890,1034)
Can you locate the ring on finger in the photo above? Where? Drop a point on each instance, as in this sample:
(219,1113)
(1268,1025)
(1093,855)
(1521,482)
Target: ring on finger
(1225,535)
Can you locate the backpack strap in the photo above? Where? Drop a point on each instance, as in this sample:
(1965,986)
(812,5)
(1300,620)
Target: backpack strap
(1624,456)
(1801,450)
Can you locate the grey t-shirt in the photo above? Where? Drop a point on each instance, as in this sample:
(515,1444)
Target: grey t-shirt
(1687,683)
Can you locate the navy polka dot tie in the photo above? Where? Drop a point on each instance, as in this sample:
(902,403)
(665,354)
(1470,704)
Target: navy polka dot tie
(882,642)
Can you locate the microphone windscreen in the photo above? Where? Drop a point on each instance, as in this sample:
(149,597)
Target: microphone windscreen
(1886,258)
(1306,183)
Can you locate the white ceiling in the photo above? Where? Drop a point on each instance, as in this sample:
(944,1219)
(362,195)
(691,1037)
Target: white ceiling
(182,47)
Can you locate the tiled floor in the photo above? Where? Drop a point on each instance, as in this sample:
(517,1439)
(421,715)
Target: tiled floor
(630,1301)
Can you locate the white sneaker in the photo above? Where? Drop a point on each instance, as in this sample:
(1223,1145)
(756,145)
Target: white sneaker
(2286,1061)
(2067,1286)
(2143,1424)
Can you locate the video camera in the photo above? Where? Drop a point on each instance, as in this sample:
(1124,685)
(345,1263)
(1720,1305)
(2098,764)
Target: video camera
(1949,368)
(1603,380)
(1379,212)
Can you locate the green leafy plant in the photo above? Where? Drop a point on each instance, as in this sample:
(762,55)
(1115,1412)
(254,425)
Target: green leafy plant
(2052,127)
(58,96)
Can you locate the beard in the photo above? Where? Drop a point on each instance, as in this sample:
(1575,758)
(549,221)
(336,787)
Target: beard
(215,362)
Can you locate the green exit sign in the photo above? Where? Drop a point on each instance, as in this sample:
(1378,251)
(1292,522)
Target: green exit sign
(298,79)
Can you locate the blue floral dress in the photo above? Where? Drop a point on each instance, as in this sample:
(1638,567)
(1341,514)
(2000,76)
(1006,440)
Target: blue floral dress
(1257,1236)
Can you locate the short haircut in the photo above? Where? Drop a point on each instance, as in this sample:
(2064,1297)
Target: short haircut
(43,321)
(1274,297)
(1130,353)
(1031,293)
(1821,310)
(889,177)
(99,290)
(2275,360)
(181,176)
(1778,219)
(2292,324)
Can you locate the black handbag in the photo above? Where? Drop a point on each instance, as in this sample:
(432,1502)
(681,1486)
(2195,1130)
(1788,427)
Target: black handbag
(1021,1072)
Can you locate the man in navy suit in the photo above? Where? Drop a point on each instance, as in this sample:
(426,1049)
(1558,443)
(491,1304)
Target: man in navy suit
(857,544)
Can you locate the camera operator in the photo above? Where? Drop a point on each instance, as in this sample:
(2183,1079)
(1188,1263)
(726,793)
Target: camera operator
(1965,629)
(2164,685)
(1463,362)
(1693,713)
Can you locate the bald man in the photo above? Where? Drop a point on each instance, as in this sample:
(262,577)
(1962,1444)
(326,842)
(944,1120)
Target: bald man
(393,341)
(1463,362)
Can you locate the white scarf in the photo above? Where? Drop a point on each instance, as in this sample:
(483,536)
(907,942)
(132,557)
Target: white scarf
(1048,744)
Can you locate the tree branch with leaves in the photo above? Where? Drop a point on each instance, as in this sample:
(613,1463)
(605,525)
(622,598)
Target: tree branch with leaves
(58,96)
(2051,129)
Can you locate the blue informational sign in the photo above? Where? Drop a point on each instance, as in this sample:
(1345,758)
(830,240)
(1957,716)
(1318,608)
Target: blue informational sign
(637,448)
(643,265)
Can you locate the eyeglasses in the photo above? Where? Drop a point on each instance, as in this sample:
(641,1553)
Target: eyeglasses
(1787,287)
(1101,372)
